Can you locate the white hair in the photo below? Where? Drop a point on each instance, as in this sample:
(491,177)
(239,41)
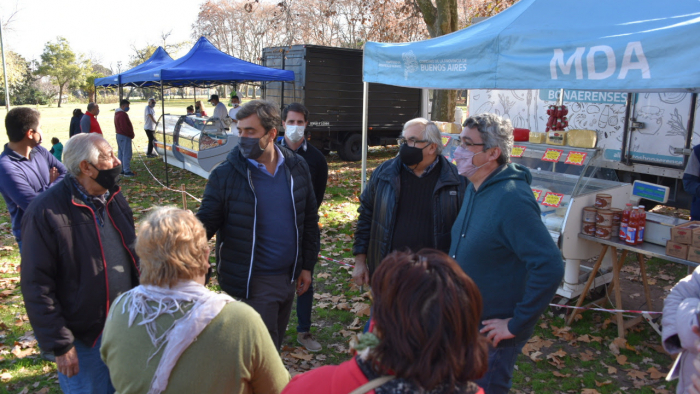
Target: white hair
(81,147)
(431,133)
(494,131)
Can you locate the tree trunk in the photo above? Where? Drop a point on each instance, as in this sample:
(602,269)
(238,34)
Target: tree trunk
(441,19)
(60,94)
(444,102)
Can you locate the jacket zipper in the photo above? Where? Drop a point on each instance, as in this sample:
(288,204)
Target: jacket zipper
(104,261)
(296,226)
(255,220)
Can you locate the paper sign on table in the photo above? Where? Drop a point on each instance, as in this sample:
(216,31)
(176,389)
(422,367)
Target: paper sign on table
(517,151)
(552,155)
(576,158)
(537,193)
(552,199)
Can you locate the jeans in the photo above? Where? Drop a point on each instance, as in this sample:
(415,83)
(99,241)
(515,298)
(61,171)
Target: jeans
(151,137)
(124,154)
(304,309)
(499,376)
(93,376)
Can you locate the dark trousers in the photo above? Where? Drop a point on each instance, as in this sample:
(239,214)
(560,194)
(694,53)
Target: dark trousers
(151,137)
(304,309)
(272,296)
(499,376)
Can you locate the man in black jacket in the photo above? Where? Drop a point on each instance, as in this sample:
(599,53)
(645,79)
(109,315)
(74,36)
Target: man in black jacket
(296,117)
(77,258)
(261,201)
(410,202)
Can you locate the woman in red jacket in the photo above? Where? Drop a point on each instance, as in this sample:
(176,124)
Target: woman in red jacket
(426,323)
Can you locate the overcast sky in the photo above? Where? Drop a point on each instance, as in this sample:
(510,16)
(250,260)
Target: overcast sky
(107,29)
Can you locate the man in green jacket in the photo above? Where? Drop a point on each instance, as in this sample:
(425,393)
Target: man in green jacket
(499,240)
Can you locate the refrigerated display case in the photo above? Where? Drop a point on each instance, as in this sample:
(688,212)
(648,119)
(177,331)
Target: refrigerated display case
(196,144)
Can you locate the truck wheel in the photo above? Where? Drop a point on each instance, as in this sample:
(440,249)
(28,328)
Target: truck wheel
(352,148)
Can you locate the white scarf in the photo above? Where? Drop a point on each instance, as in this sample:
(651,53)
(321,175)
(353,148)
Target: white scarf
(184,331)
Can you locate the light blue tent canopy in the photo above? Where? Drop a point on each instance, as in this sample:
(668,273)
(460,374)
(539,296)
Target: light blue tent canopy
(619,45)
(602,45)
(203,66)
(157,59)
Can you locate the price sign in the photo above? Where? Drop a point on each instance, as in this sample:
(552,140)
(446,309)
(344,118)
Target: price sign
(537,193)
(446,140)
(552,155)
(552,199)
(576,158)
(517,151)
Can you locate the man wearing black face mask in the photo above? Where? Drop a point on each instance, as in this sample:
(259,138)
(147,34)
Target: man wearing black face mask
(411,201)
(261,200)
(76,259)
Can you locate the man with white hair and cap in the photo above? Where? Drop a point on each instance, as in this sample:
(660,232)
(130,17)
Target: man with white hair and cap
(77,258)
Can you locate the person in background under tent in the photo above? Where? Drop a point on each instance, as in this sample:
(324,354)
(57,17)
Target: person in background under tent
(691,182)
(75,122)
(149,126)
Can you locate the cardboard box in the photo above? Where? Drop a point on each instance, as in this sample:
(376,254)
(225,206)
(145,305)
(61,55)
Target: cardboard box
(674,249)
(695,238)
(694,254)
(683,234)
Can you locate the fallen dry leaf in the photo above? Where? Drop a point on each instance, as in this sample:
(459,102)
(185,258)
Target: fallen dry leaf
(601,384)
(561,375)
(621,359)
(655,373)
(636,374)
(584,338)
(5,376)
(590,391)
(612,370)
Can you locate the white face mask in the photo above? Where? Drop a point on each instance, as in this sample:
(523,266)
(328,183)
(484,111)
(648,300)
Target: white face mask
(294,133)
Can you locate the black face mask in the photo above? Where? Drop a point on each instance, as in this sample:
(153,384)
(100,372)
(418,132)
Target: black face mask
(250,147)
(410,155)
(108,178)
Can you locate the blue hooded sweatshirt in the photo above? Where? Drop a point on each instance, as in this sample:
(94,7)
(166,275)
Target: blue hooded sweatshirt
(499,240)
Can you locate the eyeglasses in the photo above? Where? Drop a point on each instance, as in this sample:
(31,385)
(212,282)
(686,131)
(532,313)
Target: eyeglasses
(466,144)
(410,141)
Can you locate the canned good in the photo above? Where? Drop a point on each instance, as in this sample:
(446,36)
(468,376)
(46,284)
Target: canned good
(603,201)
(603,232)
(617,215)
(604,217)
(589,229)
(589,214)
(616,231)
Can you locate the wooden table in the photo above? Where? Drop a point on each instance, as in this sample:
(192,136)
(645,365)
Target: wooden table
(643,250)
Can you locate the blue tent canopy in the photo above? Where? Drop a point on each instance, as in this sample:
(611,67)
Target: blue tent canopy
(621,45)
(159,58)
(204,65)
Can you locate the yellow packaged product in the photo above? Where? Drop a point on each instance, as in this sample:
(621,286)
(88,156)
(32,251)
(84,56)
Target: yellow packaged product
(581,138)
(556,138)
(537,138)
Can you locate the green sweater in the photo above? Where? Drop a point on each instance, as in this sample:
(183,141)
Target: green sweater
(234,354)
(499,240)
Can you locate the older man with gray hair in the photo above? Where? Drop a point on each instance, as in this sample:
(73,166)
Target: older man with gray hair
(499,240)
(410,202)
(77,258)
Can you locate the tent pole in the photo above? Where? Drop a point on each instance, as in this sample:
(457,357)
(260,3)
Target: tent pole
(365,103)
(165,144)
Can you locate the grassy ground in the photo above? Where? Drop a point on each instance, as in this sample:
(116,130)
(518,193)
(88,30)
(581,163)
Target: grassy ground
(584,358)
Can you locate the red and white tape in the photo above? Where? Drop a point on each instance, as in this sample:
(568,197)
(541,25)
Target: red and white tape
(606,310)
(335,261)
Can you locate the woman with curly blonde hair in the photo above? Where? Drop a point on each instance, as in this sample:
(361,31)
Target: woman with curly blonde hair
(172,333)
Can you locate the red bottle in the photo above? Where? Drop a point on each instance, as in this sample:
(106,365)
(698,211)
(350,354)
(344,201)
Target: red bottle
(641,224)
(632,226)
(624,221)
